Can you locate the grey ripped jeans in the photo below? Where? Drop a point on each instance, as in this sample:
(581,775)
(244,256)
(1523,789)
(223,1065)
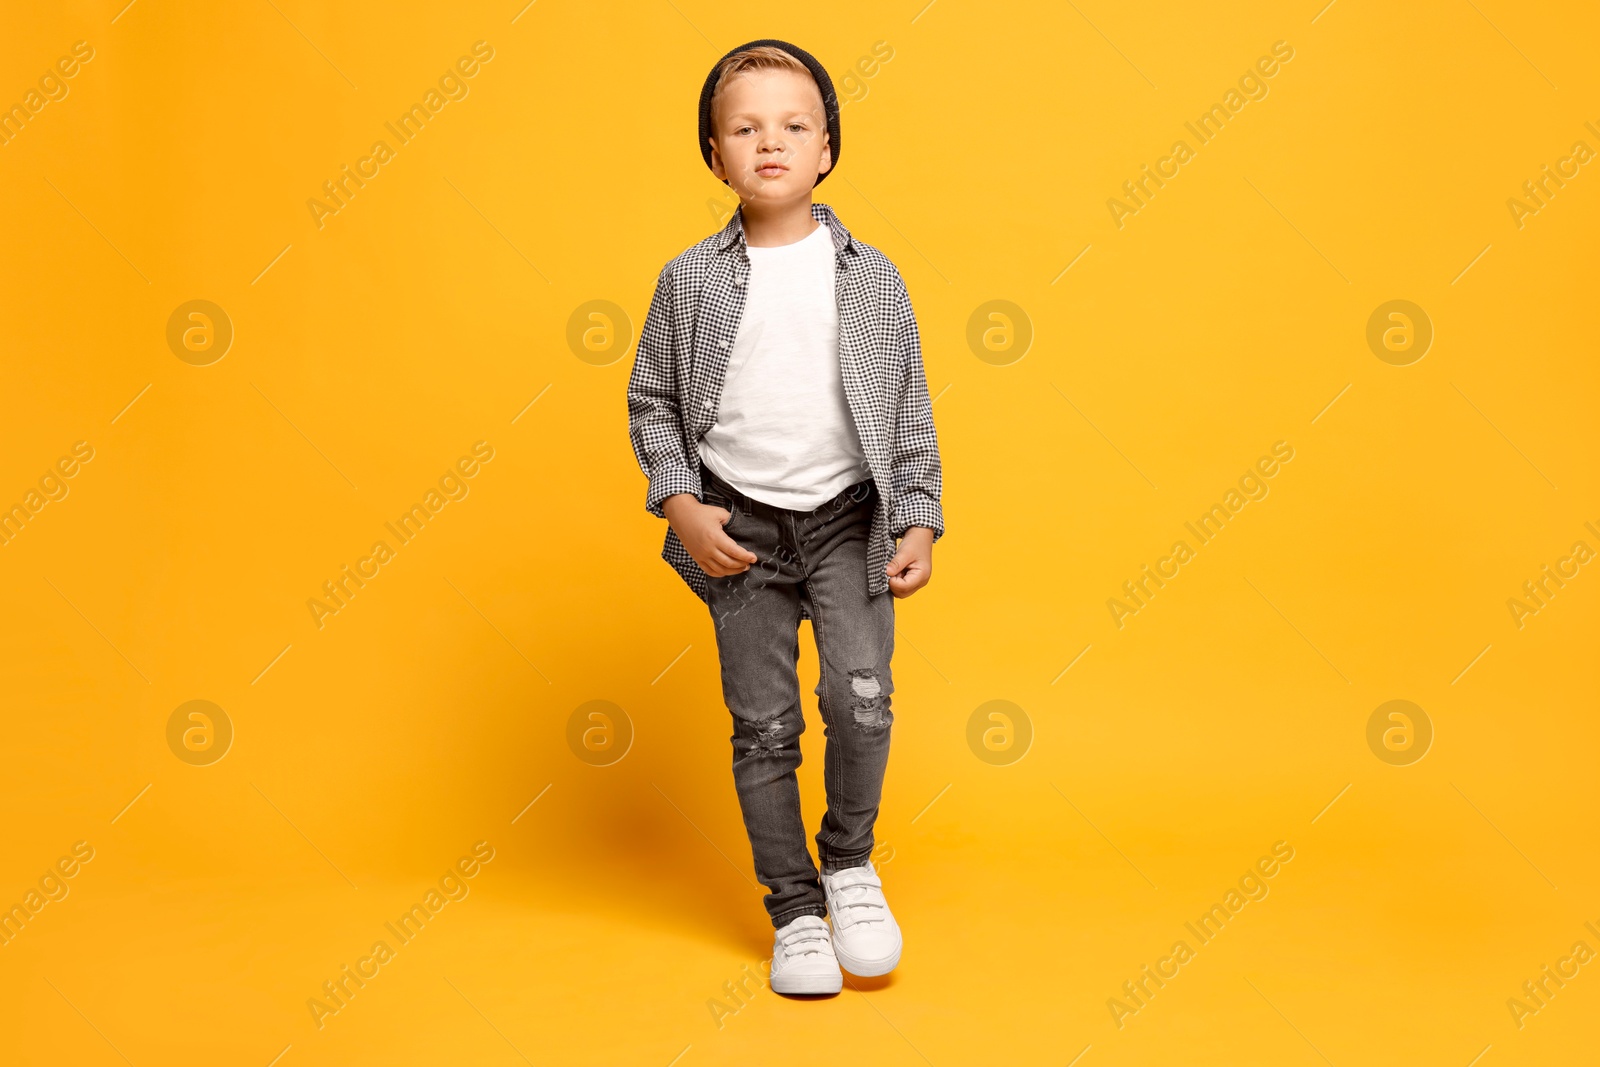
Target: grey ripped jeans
(811,564)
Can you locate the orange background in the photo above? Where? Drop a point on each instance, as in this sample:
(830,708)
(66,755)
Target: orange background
(370,754)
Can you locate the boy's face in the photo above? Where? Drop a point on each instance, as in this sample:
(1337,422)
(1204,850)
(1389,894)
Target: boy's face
(769,136)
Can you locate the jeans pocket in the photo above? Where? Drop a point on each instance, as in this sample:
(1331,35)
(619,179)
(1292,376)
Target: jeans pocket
(727,502)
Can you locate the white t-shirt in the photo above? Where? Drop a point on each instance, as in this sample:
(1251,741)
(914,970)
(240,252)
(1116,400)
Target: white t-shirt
(784,434)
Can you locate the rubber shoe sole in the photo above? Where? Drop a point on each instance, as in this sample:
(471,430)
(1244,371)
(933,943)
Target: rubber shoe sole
(807,984)
(867,968)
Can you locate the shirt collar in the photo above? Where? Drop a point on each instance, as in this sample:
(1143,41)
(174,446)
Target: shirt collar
(733,232)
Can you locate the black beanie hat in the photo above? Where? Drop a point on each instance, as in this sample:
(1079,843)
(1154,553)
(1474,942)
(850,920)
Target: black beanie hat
(830,100)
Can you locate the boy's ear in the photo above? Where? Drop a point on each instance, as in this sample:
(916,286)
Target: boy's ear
(827,154)
(716,161)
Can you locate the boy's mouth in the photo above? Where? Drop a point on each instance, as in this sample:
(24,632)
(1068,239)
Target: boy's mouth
(771,170)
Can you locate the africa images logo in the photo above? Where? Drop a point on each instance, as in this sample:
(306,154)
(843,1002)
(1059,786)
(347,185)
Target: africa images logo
(452,86)
(339,991)
(341,590)
(1252,86)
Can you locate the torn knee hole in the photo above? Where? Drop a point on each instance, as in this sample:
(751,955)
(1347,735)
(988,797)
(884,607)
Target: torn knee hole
(768,739)
(867,703)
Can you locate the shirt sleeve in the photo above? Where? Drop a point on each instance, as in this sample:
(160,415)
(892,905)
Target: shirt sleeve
(655,422)
(914,468)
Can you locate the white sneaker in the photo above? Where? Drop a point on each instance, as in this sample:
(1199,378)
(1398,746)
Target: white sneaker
(865,935)
(803,959)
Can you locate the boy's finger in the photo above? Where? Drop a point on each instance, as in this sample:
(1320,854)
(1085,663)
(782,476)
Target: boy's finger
(736,550)
(728,562)
(907,585)
(914,572)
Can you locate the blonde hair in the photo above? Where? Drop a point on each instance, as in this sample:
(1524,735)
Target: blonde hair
(762,57)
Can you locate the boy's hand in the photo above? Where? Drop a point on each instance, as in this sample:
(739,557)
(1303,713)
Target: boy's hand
(912,565)
(699,527)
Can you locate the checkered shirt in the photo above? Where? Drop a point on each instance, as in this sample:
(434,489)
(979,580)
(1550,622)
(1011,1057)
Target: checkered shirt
(682,358)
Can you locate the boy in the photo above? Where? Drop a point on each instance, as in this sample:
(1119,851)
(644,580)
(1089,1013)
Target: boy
(779,408)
